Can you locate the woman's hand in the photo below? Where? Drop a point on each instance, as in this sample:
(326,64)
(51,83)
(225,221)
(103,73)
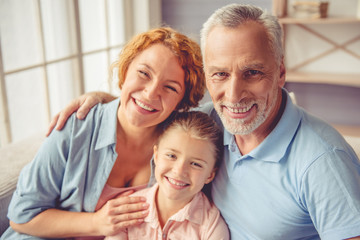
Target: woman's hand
(120,213)
(82,105)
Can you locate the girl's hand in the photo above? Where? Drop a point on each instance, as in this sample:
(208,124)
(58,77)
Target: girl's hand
(120,213)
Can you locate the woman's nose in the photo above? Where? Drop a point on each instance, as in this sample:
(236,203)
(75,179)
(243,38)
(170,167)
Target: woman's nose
(152,90)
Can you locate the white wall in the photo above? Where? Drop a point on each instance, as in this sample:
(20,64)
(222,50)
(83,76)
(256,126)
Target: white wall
(336,104)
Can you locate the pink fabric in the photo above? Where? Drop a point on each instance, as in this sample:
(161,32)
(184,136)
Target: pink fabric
(199,219)
(107,194)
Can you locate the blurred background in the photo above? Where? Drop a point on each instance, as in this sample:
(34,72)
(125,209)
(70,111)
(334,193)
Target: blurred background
(53,51)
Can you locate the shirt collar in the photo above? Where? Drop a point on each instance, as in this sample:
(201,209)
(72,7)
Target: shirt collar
(281,136)
(107,124)
(191,212)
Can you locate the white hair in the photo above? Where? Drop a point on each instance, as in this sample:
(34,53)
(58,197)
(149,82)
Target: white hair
(233,15)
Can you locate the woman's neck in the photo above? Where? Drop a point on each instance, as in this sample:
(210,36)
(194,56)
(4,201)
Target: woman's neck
(133,136)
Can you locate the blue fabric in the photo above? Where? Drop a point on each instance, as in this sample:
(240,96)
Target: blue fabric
(301,182)
(69,170)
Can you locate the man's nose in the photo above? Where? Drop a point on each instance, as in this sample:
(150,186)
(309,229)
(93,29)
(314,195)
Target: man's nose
(235,89)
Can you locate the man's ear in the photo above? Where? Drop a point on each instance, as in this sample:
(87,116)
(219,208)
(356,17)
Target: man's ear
(282,73)
(211,177)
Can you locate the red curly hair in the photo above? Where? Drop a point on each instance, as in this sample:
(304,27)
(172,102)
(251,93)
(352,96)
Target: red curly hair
(186,50)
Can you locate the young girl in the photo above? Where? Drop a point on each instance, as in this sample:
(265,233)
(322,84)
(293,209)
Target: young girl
(186,158)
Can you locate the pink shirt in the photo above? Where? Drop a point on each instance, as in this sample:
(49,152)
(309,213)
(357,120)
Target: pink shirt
(107,194)
(199,219)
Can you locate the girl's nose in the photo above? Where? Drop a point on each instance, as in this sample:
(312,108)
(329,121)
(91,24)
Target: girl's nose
(180,168)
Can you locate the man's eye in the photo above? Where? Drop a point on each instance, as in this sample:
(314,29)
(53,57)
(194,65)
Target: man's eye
(219,75)
(252,74)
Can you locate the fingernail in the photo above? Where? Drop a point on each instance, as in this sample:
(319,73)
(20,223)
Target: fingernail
(80,115)
(145,205)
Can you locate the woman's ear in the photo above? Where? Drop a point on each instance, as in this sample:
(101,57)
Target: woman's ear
(211,177)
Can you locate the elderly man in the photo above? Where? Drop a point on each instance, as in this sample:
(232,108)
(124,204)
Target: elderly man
(285,174)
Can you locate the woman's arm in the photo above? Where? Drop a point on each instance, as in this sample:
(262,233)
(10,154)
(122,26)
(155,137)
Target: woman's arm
(112,218)
(82,105)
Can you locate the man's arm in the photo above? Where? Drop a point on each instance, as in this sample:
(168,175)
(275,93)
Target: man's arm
(82,105)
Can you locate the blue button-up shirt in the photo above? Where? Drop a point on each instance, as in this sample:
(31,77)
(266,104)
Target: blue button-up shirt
(301,182)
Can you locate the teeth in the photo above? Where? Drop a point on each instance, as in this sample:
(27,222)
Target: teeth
(241,110)
(140,104)
(172,181)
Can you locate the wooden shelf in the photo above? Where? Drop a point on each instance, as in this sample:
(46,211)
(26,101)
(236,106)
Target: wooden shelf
(329,20)
(352,80)
(294,73)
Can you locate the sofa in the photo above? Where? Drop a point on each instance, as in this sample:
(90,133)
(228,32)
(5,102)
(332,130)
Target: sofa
(13,158)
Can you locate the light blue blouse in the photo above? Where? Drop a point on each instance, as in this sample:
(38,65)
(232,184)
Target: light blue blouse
(70,169)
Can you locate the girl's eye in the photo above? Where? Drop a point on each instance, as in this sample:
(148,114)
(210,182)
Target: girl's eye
(197,165)
(171,156)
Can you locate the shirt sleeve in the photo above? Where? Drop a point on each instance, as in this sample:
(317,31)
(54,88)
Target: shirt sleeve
(331,194)
(40,181)
(216,228)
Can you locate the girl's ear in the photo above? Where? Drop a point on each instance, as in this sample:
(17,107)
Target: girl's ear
(155,154)
(211,177)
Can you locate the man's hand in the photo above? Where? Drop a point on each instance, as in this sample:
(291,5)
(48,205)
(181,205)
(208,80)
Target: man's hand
(82,105)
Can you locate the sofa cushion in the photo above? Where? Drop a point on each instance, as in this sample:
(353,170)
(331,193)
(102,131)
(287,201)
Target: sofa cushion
(13,158)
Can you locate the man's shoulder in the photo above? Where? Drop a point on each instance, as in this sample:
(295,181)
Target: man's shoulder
(207,108)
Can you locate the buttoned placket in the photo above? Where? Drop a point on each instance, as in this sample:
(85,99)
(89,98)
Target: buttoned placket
(165,231)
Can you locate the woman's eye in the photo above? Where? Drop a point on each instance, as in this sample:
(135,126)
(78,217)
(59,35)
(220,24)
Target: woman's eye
(143,73)
(171,88)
